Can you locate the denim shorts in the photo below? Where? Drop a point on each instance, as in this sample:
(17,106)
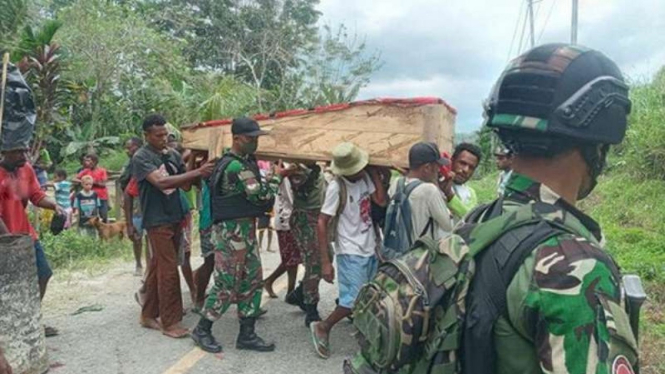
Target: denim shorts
(353,272)
(43,268)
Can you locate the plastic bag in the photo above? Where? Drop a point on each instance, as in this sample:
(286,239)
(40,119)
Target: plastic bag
(20,114)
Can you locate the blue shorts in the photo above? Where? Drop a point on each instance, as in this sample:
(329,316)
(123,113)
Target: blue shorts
(353,272)
(137,222)
(43,268)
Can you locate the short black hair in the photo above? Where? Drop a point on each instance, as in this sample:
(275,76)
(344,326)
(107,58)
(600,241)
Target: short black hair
(471,148)
(92,156)
(153,120)
(135,140)
(61,173)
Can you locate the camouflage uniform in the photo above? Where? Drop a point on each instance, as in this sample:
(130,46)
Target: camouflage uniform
(306,207)
(566,310)
(238,270)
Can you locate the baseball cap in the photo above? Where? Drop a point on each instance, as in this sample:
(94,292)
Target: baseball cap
(246,126)
(424,153)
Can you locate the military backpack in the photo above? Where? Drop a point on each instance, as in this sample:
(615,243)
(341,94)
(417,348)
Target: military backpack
(408,318)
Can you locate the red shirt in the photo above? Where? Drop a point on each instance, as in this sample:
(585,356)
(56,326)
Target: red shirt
(132,188)
(16,188)
(98,176)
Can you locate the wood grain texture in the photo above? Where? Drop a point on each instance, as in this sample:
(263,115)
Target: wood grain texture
(385,131)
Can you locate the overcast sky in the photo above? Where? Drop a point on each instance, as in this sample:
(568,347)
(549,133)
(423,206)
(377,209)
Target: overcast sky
(456,49)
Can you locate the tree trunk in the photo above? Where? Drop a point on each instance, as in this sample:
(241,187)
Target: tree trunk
(21,331)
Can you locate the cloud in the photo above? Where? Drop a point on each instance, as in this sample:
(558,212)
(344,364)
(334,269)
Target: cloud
(456,49)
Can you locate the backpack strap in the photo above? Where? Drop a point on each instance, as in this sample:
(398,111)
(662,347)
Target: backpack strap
(406,190)
(486,301)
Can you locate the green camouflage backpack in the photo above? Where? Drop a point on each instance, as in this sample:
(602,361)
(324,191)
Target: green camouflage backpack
(408,317)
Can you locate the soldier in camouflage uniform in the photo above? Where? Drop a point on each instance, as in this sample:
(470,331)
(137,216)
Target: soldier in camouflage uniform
(308,192)
(558,108)
(238,197)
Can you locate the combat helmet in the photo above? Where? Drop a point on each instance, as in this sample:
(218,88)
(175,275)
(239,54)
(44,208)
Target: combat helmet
(559,92)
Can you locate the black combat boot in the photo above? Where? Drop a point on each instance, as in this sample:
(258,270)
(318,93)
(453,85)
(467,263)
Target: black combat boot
(203,338)
(247,338)
(296,297)
(312,314)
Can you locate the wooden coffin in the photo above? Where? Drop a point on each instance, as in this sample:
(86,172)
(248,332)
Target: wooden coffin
(386,128)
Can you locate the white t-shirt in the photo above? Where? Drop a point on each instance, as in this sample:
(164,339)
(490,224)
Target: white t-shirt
(462,190)
(427,202)
(283,206)
(355,234)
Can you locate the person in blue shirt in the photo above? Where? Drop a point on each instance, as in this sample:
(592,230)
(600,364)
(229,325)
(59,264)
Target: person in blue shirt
(63,191)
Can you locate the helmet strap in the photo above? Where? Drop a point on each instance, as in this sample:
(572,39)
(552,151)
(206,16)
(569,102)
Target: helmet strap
(595,156)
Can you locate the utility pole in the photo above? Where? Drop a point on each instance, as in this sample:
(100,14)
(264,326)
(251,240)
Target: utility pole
(573,26)
(531,24)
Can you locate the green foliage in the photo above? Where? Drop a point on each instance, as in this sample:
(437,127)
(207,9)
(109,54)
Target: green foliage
(643,150)
(71,250)
(114,160)
(13,15)
(336,69)
(632,215)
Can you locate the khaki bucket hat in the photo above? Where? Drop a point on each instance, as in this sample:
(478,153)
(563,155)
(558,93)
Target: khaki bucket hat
(348,159)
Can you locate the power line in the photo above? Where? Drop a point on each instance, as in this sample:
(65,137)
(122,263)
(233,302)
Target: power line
(547,20)
(517,25)
(519,48)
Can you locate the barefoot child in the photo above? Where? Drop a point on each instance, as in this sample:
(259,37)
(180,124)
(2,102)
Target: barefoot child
(87,205)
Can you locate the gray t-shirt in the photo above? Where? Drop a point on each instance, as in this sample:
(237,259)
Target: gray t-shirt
(158,207)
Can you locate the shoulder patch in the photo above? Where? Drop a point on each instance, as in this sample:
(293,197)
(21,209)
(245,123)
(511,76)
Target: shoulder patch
(234,166)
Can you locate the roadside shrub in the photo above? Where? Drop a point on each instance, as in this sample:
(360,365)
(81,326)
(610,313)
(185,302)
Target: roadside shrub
(72,250)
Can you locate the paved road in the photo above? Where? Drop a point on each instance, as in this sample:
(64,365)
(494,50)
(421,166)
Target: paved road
(111,341)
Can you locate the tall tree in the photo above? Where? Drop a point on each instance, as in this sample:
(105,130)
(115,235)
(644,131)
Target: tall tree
(13,15)
(336,68)
(114,55)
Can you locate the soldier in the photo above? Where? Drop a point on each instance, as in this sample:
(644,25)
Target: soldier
(504,162)
(238,197)
(557,108)
(309,188)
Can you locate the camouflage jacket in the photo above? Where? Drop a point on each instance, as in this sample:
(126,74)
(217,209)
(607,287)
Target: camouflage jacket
(566,309)
(238,178)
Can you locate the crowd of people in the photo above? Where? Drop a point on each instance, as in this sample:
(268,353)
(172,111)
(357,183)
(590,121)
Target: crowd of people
(551,305)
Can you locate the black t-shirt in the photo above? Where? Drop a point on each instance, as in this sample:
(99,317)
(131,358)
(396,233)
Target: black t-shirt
(158,207)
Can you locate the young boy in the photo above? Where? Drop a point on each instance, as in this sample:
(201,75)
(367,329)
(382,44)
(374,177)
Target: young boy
(354,237)
(63,190)
(87,205)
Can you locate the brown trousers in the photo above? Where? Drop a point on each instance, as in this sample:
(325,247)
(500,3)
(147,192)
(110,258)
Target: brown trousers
(162,284)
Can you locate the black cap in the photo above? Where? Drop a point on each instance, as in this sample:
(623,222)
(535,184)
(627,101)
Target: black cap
(425,152)
(246,126)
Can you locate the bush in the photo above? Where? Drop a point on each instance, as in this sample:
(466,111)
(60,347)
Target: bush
(72,250)
(643,150)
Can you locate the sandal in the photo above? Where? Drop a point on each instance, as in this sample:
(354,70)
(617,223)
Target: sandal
(50,331)
(321,345)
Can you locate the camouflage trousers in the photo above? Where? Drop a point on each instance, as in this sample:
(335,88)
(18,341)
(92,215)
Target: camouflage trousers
(238,271)
(303,225)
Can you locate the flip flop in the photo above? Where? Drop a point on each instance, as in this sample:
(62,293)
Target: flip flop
(50,331)
(320,345)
